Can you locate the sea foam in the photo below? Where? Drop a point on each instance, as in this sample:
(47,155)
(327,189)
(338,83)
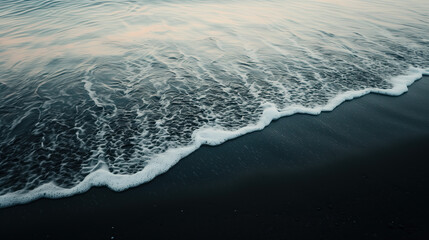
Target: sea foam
(209,136)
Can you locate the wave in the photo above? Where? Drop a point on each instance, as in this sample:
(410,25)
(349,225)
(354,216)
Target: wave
(114,93)
(204,136)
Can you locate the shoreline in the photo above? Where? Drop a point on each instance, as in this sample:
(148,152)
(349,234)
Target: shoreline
(340,174)
(211,137)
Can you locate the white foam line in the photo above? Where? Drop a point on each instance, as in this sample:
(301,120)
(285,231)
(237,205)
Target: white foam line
(91,93)
(210,136)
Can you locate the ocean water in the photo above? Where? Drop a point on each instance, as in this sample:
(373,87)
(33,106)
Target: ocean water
(114,93)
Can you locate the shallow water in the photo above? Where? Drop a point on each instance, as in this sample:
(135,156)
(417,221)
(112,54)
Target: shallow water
(116,92)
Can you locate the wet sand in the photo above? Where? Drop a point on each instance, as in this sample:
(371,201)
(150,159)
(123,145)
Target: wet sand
(358,172)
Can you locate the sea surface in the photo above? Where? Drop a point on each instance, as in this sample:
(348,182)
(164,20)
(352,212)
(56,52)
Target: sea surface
(114,93)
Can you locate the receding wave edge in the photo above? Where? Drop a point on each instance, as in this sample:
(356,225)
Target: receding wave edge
(209,136)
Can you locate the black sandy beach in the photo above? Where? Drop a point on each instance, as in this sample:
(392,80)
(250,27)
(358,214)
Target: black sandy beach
(358,172)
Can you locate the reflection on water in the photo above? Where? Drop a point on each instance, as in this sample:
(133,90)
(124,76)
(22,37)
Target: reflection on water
(87,85)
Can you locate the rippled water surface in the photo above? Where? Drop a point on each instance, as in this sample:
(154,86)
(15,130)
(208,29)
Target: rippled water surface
(115,92)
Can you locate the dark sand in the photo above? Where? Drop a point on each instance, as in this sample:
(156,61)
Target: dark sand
(359,172)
